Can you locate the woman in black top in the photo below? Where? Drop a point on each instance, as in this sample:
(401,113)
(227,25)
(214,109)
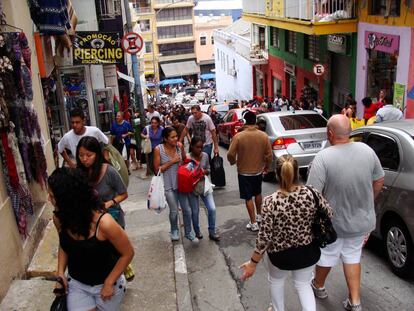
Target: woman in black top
(93,247)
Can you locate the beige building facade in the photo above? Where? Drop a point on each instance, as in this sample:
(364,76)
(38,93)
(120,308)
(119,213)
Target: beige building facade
(15,250)
(204,28)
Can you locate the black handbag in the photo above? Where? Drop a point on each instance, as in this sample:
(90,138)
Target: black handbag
(59,303)
(323,231)
(218,176)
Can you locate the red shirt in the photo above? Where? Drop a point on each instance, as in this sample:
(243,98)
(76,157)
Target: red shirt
(370,111)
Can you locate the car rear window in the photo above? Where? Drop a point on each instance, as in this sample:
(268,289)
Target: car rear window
(304,121)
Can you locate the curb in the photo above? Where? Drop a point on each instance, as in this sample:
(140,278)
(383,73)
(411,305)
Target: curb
(182,284)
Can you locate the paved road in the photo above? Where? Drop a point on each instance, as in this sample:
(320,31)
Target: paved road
(214,273)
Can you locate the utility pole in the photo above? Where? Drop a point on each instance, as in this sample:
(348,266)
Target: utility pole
(135,70)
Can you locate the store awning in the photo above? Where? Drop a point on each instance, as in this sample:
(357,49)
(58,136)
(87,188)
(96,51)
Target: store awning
(180,69)
(208,76)
(172,81)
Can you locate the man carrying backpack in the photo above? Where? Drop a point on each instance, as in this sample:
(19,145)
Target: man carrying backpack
(250,166)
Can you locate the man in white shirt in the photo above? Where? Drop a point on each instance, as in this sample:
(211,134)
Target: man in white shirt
(71,139)
(152,113)
(388,112)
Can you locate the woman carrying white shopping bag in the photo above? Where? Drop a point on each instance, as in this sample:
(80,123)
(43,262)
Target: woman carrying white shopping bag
(167,157)
(203,189)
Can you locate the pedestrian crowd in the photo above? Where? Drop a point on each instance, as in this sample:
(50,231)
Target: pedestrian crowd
(97,253)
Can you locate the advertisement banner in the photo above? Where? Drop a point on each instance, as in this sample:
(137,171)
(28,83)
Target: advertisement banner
(382,42)
(97,48)
(399,95)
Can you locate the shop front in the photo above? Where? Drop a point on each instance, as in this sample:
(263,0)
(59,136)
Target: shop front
(382,64)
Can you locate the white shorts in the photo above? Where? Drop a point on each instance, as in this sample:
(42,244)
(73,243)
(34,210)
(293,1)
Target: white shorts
(347,249)
(83,297)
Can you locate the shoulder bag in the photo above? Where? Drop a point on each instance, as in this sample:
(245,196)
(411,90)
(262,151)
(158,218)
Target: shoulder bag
(323,231)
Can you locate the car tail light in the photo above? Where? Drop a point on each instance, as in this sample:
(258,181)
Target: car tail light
(282,143)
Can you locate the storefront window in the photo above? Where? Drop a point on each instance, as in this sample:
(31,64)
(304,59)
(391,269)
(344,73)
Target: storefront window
(312,48)
(291,39)
(75,92)
(382,69)
(385,7)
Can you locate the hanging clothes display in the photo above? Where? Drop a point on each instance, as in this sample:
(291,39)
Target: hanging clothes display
(21,148)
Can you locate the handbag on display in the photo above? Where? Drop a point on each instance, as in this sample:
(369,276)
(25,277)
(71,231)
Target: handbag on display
(322,228)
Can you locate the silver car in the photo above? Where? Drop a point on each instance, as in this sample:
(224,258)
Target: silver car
(393,142)
(301,133)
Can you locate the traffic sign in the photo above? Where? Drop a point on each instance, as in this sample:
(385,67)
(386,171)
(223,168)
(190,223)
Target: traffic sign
(318,69)
(132,43)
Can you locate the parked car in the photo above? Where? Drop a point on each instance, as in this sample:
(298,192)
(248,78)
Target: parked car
(393,142)
(221,110)
(201,95)
(190,90)
(231,123)
(301,133)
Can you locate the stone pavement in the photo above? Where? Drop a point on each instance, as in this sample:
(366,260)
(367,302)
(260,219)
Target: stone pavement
(161,280)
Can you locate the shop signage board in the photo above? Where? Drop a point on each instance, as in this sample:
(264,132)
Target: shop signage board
(337,44)
(382,42)
(318,69)
(132,43)
(289,68)
(97,48)
(399,95)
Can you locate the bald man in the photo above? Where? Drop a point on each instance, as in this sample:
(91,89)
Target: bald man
(350,176)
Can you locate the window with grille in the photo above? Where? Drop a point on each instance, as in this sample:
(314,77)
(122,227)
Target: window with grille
(109,8)
(144,25)
(275,37)
(291,42)
(148,47)
(385,7)
(312,48)
(175,31)
(203,40)
(174,14)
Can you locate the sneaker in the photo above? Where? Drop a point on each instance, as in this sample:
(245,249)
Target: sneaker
(350,307)
(192,239)
(199,236)
(254,227)
(258,218)
(174,235)
(320,293)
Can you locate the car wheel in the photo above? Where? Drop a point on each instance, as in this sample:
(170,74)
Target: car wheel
(399,248)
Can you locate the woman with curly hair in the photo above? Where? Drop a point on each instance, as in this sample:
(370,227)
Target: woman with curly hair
(92,246)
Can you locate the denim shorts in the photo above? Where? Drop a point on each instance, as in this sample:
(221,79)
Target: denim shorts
(83,297)
(250,186)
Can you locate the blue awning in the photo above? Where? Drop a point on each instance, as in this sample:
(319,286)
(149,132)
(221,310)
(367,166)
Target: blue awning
(172,81)
(208,76)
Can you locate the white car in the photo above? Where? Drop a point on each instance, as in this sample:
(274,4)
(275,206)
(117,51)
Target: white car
(200,95)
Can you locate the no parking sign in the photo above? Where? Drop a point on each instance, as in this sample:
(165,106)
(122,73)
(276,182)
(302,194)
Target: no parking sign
(318,69)
(132,43)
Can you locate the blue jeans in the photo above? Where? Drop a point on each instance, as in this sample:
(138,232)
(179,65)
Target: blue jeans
(172,200)
(208,149)
(190,213)
(211,210)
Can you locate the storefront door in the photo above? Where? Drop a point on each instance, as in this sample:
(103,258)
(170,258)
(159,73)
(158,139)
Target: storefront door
(340,80)
(382,71)
(292,87)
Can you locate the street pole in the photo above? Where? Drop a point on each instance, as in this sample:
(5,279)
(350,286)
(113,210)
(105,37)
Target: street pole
(135,69)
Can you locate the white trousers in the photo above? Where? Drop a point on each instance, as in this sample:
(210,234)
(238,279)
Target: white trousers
(301,281)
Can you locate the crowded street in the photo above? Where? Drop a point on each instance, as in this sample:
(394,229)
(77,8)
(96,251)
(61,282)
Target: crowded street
(206,155)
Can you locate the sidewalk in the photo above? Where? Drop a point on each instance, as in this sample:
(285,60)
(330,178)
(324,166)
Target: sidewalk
(161,279)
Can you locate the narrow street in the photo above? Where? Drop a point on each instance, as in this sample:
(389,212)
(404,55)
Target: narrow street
(214,269)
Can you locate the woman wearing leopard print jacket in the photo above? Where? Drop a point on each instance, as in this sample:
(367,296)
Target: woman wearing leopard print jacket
(286,235)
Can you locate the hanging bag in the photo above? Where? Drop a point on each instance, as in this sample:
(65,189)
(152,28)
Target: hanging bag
(156,200)
(323,231)
(218,176)
(146,146)
(59,303)
(208,186)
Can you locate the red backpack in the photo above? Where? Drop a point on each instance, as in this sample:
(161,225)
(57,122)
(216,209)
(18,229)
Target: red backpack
(189,174)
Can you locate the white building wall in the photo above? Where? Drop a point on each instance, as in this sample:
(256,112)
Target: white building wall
(232,87)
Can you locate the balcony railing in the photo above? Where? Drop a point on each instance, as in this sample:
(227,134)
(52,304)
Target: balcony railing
(319,10)
(142,10)
(172,1)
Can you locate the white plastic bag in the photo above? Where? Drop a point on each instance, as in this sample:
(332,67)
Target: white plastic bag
(156,200)
(208,186)
(124,152)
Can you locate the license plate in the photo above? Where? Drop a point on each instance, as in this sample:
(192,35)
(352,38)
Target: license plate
(312,145)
